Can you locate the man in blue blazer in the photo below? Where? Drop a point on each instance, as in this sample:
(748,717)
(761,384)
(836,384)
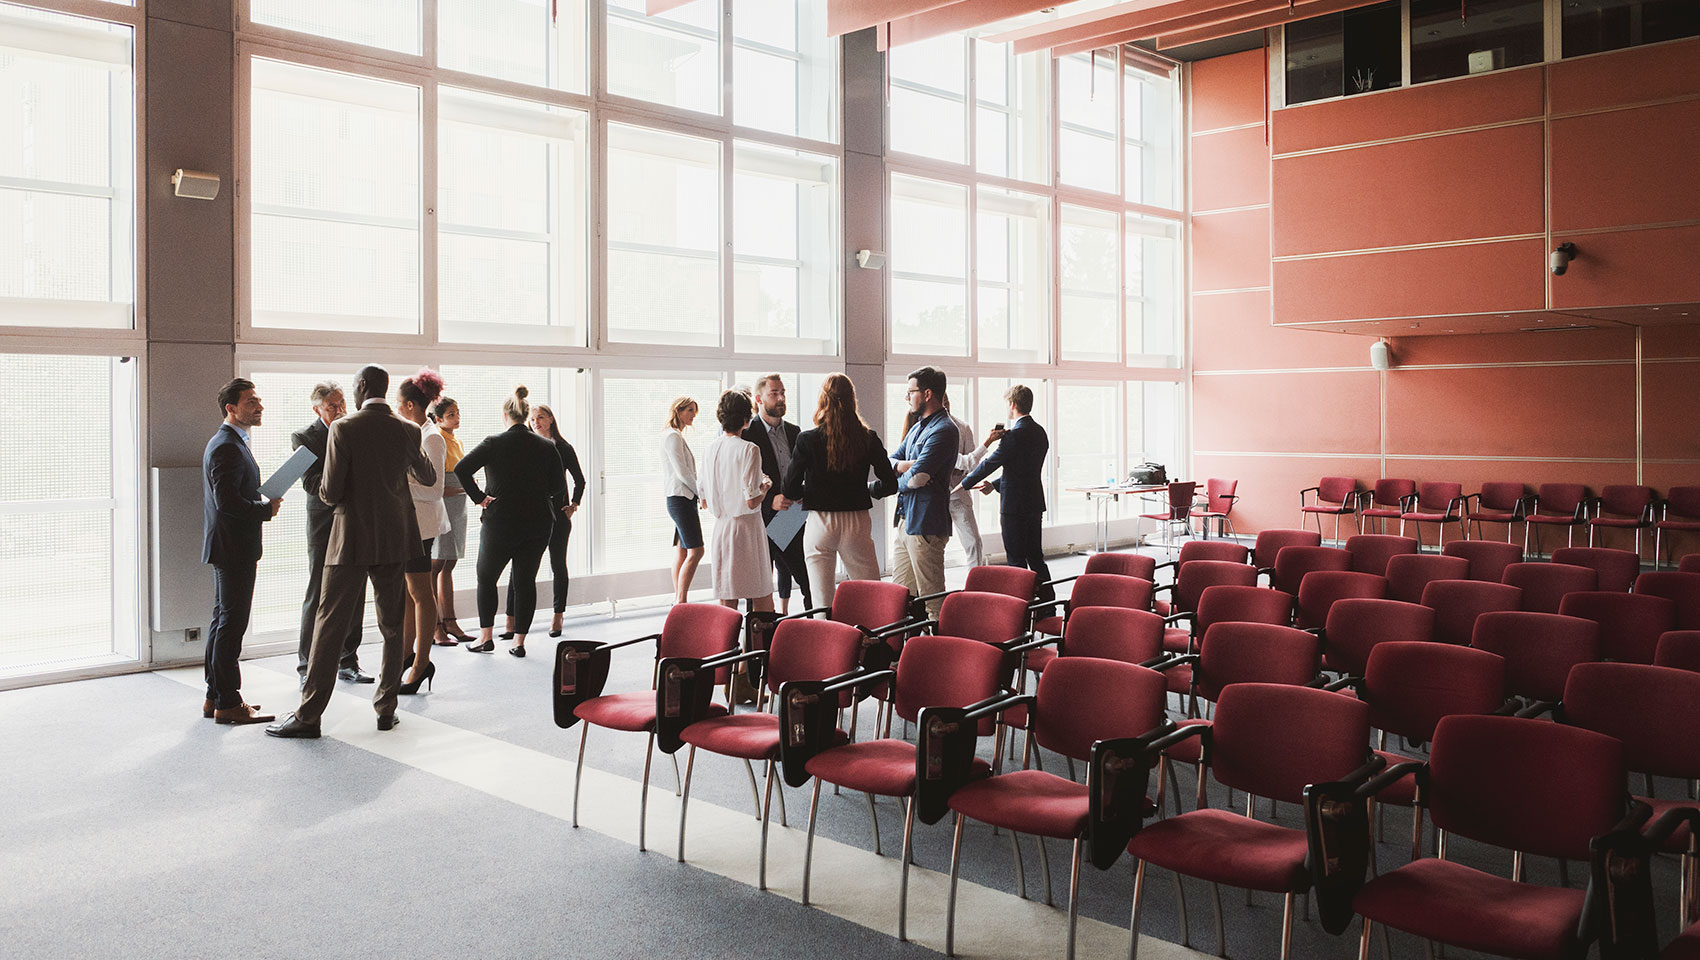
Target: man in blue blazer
(233,511)
(923,462)
(1022,445)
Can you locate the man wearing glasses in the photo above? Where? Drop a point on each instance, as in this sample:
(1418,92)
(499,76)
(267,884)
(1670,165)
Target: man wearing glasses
(923,462)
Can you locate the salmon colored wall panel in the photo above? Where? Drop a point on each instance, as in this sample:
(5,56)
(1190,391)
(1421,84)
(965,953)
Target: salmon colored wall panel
(1558,411)
(1228,91)
(1626,167)
(1269,486)
(1231,331)
(1450,105)
(1465,186)
(1473,473)
(1670,410)
(1333,412)
(1617,343)
(1635,75)
(1677,340)
(1629,267)
(1429,282)
(1230,251)
(1230,169)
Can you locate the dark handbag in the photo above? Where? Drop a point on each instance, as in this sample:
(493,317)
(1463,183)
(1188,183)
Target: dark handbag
(1148,473)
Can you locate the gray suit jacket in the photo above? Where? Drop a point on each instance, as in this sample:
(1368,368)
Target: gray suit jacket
(368,457)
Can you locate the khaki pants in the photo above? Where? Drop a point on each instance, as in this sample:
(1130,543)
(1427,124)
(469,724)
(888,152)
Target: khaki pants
(917,562)
(831,535)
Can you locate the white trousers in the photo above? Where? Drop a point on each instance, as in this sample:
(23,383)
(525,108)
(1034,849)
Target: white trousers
(829,536)
(967,530)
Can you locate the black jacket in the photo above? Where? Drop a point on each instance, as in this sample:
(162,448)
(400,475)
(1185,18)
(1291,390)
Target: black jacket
(232,507)
(819,488)
(757,434)
(524,473)
(1021,454)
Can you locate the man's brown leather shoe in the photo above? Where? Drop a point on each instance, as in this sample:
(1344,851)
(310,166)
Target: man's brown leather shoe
(243,714)
(207,708)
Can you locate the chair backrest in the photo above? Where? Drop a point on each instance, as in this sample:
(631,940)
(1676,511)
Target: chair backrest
(1336,489)
(1682,589)
(1630,623)
(698,630)
(1083,699)
(1231,653)
(1560,499)
(1233,603)
(986,617)
(1272,740)
(1655,711)
(1690,563)
(1180,498)
(1539,648)
(1408,573)
(1270,542)
(1113,633)
(811,650)
(1457,603)
(1488,558)
(1436,496)
(1371,551)
(1683,502)
(1127,564)
(1110,590)
(1018,582)
(1545,584)
(1616,568)
(1219,495)
(1501,496)
(1542,788)
(1389,493)
(870,603)
(1410,686)
(1625,499)
(1226,550)
(1321,588)
(1193,579)
(1355,627)
(1679,649)
(946,672)
(1292,563)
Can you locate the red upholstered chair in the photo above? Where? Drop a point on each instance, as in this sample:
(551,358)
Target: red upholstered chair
(801,650)
(1545,584)
(1371,551)
(1222,550)
(1018,582)
(1525,785)
(1192,580)
(1408,574)
(1335,497)
(1384,502)
(1457,604)
(1488,559)
(1682,589)
(1292,563)
(1630,623)
(1558,505)
(877,608)
(1108,633)
(1233,652)
(1539,649)
(1097,590)
(1356,627)
(932,671)
(1179,512)
(1124,564)
(1320,589)
(1679,649)
(1623,506)
(1679,512)
(1690,563)
(1218,503)
(1270,542)
(1438,502)
(1500,502)
(1617,569)
(1081,709)
(1270,741)
(1227,603)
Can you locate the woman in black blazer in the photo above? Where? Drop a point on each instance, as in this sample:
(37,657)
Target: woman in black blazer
(524,483)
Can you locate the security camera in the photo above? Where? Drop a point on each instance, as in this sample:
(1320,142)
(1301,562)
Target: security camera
(1559,259)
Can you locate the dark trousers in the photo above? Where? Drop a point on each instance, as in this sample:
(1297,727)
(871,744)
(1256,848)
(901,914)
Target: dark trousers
(233,601)
(497,549)
(1024,546)
(344,601)
(790,566)
(558,537)
(318,541)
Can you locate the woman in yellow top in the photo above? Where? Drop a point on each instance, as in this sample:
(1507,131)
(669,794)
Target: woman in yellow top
(451,546)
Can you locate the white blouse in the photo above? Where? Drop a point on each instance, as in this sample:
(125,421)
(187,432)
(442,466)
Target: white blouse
(678,466)
(732,477)
(428,500)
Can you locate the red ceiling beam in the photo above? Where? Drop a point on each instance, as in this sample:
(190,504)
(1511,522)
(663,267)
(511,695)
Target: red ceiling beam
(1152,11)
(958,17)
(1284,16)
(848,16)
(1191,21)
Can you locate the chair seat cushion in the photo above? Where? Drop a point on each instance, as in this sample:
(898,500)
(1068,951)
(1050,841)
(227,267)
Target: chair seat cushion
(1678,524)
(885,768)
(1208,513)
(1622,523)
(1402,793)
(1550,519)
(1190,750)
(1678,840)
(1429,517)
(634,712)
(1391,512)
(1050,626)
(1180,678)
(1491,517)
(750,736)
(1454,904)
(1685,947)
(1225,847)
(1327,509)
(1040,657)
(1176,639)
(1026,801)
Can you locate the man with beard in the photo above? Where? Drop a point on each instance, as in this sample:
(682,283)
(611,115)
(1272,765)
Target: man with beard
(775,437)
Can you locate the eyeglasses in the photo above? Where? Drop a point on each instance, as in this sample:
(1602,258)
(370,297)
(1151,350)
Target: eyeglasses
(910,392)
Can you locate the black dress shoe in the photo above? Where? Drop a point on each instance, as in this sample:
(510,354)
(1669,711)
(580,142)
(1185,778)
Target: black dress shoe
(353,675)
(517,651)
(488,646)
(387,721)
(293,728)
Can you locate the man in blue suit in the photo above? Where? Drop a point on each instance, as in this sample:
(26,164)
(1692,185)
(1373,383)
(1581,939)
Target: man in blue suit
(233,511)
(923,462)
(1022,445)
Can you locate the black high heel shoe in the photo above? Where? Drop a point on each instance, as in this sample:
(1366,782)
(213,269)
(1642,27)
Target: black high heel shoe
(488,646)
(412,688)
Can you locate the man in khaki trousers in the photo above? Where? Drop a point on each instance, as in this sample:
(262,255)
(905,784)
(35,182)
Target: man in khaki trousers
(368,457)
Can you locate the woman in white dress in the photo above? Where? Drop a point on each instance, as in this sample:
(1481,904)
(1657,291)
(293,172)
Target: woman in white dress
(733,485)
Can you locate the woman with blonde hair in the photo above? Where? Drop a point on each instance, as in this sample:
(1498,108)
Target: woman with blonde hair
(829,475)
(679,486)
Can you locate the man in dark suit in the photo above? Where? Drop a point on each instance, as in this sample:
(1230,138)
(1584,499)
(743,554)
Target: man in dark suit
(368,458)
(1022,445)
(233,512)
(923,462)
(328,407)
(774,436)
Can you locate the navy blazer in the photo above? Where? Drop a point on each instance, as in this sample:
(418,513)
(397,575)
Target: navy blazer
(932,444)
(231,503)
(1021,454)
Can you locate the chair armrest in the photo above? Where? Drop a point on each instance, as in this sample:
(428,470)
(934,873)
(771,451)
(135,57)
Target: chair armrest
(1408,503)
(1393,774)
(815,612)
(1618,907)
(1040,606)
(902,626)
(1455,506)
(1338,839)
(808,719)
(1025,642)
(627,643)
(1118,777)
(1172,661)
(1472,496)
(1183,615)
(682,691)
(1356,683)
(931,596)
(1165,587)
(1535,709)
(1059,581)
(944,751)
(580,671)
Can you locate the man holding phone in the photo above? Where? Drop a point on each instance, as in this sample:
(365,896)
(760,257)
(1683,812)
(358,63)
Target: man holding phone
(1022,446)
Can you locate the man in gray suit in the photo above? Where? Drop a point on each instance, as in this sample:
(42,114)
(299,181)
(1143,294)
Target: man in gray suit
(368,458)
(328,408)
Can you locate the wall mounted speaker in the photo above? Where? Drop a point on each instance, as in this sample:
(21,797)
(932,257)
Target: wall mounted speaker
(195,184)
(1380,355)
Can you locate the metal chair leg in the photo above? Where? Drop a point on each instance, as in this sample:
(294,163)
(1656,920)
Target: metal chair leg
(874,820)
(1286,928)
(1180,906)
(676,781)
(809,844)
(1074,897)
(1133,922)
(950,904)
(1363,941)
(1020,867)
(1216,910)
(578,772)
(908,852)
(755,791)
(643,795)
(783,821)
(767,804)
(1045,868)
(685,798)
